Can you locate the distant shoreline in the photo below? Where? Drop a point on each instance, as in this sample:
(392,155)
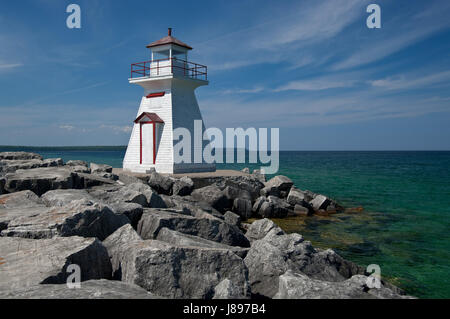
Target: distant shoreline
(123,147)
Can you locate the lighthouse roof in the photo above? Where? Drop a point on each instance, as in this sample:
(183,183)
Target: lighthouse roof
(169,39)
(148,117)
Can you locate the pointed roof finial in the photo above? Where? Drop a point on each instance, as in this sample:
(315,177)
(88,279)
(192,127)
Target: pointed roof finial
(169,39)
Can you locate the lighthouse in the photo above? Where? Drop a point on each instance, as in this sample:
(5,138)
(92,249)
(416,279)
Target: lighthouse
(168,105)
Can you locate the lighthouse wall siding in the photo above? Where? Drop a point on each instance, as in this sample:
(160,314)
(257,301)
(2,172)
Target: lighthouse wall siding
(178,104)
(164,157)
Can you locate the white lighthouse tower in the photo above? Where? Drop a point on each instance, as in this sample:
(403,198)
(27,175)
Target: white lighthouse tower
(168,103)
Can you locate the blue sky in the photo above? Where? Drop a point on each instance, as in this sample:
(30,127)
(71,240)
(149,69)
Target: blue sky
(311,68)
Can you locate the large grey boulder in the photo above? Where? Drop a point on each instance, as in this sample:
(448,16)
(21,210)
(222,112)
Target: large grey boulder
(153,199)
(275,254)
(9,214)
(153,220)
(260,228)
(64,197)
(246,184)
(171,271)
(283,183)
(270,191)
(299,286)
(295,196)
(91,289)
(320,202)
(20,199)
(131,210)
(116,243)
(232,219)
(179,239)
(10,166)
(226,289)
(100,168)
(277,185)
(91,180)
(183,186)
(213,196)
(76,163)
(271,207)
(27,262)
(79,169)
(281,207)
(19,156)
(192,206)
(40,180)
(161,183)
(128,178)
(14,205)
(73,220)
(232,192)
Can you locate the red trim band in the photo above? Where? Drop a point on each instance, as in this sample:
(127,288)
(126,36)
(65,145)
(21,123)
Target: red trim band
(159,94)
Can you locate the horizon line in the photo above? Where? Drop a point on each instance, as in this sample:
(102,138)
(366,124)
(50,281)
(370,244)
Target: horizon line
(287,150)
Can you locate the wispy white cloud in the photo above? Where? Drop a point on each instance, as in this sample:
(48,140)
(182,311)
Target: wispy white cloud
(314,85)
(67,127)
(396,34)
(10,65)
(117,129)
(413,81)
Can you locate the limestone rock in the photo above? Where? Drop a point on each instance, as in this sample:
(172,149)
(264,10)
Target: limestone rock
(226,289)
(153,220)
(91,180)
(20,199)
(116,243)
(280,183)
(9,214)
(183,240)
(320,202)
(29,262)
(100,168)
(91,289)
(73,220)
(161,183)
(40,180)
(295,196)
(275,254)
(299,286)
(76,163)
(183,186)
(179,272)
(153,199)
(131,210)
(64,197)
(260,228)
(213,196)
(232,218)
(19,156)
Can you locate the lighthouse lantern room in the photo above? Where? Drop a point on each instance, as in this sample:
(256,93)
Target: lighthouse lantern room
(169,81)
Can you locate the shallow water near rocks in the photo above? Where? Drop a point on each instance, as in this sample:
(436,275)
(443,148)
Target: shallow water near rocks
(405,224)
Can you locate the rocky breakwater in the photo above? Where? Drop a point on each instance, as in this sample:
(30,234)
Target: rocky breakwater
(157,236)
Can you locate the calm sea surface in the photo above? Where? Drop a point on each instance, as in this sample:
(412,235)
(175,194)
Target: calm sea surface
(405,224)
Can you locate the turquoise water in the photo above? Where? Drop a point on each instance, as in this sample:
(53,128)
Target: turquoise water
(405,224)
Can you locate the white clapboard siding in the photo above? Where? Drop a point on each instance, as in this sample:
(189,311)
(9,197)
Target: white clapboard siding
(177,108)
